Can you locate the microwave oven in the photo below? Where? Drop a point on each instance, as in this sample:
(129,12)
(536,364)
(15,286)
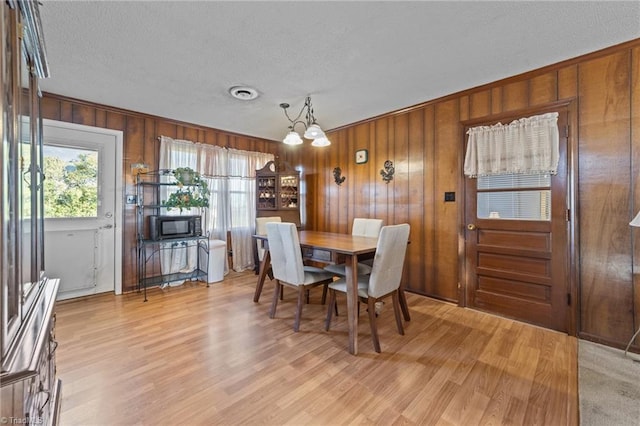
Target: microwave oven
(168,227)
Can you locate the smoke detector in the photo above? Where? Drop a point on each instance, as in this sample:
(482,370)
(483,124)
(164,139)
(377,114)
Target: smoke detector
(243,93)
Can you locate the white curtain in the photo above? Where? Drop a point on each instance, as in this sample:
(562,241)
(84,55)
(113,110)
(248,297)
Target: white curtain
(231,178)
(528,145)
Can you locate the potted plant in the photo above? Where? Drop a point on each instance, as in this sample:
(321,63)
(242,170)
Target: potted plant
(193,190)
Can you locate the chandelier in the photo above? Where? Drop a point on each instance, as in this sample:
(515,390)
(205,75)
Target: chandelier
(312,129)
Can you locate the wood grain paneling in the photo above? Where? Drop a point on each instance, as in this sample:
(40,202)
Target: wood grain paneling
(83,114)
(358,174)
(543,88)
(515,96)
(414,271)
(115,121)
(399,186)
(480,104)
(428,216)
(379,155)
(50,108)
(568,82)
(101,119)
(463,107)
(604,183)
(447,170)
(66,111)
(345,193)
(497,106)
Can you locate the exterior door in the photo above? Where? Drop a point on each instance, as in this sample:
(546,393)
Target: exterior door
(81,201)
(516,244)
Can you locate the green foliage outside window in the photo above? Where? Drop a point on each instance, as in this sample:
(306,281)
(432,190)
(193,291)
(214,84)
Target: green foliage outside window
(71,188)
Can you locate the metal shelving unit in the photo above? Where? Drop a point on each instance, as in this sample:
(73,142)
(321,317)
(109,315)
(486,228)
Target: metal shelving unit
(148,202)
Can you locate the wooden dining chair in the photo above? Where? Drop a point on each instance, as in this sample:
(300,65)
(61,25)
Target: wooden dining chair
(364,228)
(383,281)
(288,268)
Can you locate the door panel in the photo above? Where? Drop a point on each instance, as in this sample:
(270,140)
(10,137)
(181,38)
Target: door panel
(80,225)
(518,267)
(78,245)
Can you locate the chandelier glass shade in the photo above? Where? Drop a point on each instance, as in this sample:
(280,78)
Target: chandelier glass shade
(292,138)
(321,142)
(312,129)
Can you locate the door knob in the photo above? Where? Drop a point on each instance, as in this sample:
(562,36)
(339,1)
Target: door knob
(471,227)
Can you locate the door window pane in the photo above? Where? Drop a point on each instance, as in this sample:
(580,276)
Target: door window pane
(522,205)
(514,196)
(514,181)
(71,184)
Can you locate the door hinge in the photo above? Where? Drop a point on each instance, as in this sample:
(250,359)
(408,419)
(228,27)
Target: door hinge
(567,131)
(568,218)
(568,299)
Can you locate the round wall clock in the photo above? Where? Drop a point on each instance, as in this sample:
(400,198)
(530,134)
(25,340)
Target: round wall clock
(362,156)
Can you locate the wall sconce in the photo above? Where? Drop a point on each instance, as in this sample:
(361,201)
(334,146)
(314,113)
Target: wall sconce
(388,171)
(337,176)
(312,129)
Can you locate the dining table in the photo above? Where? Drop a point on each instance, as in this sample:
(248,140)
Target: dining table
(331,247)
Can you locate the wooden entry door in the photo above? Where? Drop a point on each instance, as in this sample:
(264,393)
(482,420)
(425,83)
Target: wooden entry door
(517,263)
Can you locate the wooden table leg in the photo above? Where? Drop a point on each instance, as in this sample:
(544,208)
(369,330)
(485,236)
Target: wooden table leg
(351,266)
(264,267)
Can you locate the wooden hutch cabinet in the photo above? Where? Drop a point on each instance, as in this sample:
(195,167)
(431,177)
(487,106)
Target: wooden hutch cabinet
(29,388)
(278,192)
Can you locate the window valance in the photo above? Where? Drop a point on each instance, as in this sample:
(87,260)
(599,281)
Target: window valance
(527,145)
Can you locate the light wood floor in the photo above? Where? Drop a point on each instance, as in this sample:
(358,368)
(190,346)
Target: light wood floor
(205,356)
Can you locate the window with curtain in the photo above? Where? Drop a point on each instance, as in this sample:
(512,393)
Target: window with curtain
(231,177)
(528,145)
(513,165)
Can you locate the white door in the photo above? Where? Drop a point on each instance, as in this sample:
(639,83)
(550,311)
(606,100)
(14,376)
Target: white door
(82,205)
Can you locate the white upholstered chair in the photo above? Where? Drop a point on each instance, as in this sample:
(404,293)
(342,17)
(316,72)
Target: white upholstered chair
(383,281)
(364,228)
(288,269)
(261,229)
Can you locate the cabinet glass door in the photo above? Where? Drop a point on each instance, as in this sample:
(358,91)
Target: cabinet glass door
(289,192)
(9,172)
(25,178)
(30,226)
(267,192)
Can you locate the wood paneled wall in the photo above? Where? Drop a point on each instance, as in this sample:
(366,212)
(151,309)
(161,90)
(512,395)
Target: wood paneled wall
(141,145)
(425,143)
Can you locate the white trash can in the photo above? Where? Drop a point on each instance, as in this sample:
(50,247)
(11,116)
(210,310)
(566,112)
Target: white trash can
(217,259)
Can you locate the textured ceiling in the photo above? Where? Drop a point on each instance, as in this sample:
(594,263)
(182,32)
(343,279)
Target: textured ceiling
(177,59)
